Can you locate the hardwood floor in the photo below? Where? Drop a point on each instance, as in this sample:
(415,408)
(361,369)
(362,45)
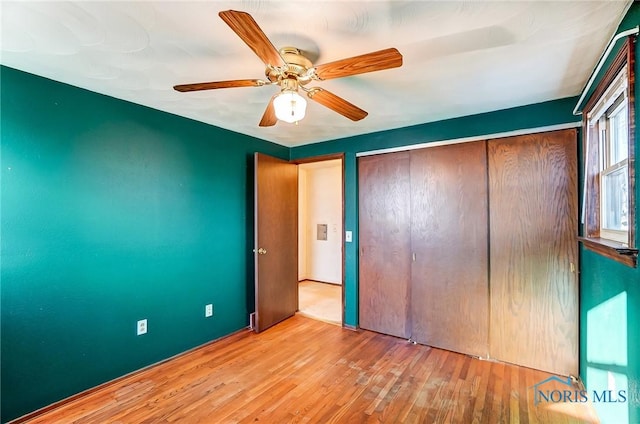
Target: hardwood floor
(308,371)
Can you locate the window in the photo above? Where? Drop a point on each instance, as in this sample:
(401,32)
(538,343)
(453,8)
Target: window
(608,121)
(609,133)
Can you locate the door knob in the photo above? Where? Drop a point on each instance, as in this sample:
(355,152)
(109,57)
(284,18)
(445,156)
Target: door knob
(262,251)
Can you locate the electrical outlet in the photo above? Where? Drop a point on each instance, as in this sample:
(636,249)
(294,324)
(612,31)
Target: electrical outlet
(141,327)
(208,310)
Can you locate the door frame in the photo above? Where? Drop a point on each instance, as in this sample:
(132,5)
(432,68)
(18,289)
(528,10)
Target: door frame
(322,158)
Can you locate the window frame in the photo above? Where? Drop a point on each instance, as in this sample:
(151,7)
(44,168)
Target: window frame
(594,236)
(609,106)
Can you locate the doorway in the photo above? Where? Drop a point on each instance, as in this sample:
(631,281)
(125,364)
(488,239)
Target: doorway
(320,240)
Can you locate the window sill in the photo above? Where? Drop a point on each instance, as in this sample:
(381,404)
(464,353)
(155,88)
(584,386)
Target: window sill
(611,249)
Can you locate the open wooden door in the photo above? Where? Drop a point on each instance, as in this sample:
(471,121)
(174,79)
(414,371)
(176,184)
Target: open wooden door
(276,240)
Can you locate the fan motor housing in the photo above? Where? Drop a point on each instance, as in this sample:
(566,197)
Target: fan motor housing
(297,66)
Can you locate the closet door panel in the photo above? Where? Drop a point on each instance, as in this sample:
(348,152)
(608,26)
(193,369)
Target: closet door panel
(384,243)
(533,229)
(450,292)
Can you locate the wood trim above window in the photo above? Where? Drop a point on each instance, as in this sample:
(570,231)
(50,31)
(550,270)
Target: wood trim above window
(622,252)
(618,63)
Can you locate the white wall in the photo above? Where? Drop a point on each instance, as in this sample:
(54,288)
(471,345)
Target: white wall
(320,197)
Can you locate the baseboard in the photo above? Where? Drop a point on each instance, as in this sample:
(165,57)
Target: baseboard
(62,402)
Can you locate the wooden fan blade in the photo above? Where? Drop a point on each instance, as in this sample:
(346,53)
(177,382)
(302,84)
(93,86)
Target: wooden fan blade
(375,61)
(218,84)
(269,118)
(337,104)
(243,24)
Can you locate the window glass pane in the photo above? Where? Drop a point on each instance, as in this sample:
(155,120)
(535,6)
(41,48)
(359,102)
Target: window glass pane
(619,134)
(615,200)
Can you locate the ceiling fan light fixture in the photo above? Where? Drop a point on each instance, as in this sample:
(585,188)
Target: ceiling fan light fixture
(290,70)
(290,106)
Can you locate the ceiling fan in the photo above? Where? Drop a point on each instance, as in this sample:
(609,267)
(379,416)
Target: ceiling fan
(289,69)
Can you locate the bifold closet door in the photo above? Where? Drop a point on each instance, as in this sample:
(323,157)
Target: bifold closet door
(385,243)
(449,227)
(534,252)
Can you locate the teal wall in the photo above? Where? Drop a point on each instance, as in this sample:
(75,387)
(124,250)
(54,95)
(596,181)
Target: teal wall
(113,212)
(610,299)
(532,116)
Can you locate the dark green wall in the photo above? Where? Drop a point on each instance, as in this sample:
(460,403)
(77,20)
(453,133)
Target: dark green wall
(113,212)
(555,112)
(603,279)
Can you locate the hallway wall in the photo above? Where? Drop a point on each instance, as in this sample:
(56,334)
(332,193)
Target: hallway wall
(320,202)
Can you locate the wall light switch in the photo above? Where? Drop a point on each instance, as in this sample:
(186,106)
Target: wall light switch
(348,237)
(141,327)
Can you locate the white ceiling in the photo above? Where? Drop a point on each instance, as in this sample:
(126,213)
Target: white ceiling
(460,57)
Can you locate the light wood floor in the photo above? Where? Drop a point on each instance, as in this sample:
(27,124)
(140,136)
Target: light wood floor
(321,301)
(308,371)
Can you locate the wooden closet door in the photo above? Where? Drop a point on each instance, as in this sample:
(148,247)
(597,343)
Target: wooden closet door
(384,242)
(533,239)
(450,291)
